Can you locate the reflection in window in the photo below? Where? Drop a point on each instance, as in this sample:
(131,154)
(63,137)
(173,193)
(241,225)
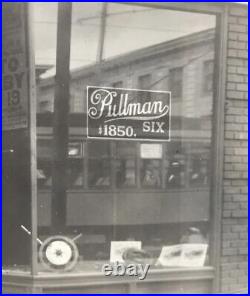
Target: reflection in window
(45,106)
(176,172)
(75,172)
(77,96)
(99,166)
(175,165)
(125,164)
(151,169)
(151,173)
(186,165)
(44,173)
(45,100)
(117,84)
(85,27)
(208,68)
(144,83)
(198,171)
(150,211)
(193,235)
(175,82)
(44,164)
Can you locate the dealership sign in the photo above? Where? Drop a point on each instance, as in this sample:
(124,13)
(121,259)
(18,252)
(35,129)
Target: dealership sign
(119,113)
(15,71)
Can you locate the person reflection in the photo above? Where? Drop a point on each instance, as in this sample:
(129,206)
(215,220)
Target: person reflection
(104,179)
(151,176)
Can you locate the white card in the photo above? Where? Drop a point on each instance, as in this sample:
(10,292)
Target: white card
(183,255)
(118,247)
(151,151)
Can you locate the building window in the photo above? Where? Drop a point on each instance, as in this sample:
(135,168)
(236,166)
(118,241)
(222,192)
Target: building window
(199,168)
(144,83)
(208,69)
(175,177)
(99,165)
(44,173)
(74,165)
(45,106)
(117,84)
(75,175)
(125,164)
(142,166)
(72,103)
(176,82)
(44,163)
(150,165)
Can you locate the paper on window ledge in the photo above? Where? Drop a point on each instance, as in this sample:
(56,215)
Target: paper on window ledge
(118,247)
(183,255)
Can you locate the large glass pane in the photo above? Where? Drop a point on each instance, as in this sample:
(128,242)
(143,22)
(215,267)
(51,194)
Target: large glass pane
(152,195)
(16,148)
(45,28)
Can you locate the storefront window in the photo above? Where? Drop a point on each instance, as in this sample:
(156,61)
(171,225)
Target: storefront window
(148,194)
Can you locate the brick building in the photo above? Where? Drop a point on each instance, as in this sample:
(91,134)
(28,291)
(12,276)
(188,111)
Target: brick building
(234,246)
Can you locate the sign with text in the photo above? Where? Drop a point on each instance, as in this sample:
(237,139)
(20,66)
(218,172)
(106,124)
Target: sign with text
(119,113)
(15,67)
(149,151)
